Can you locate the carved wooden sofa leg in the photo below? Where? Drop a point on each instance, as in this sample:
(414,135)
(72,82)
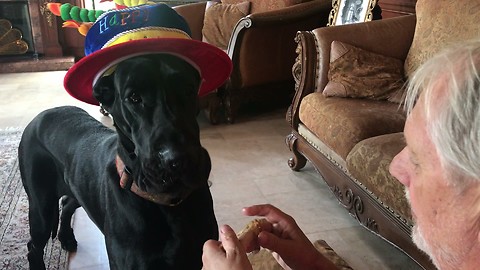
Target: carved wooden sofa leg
(231,105)
(298,161)
(212,111)
(211,105)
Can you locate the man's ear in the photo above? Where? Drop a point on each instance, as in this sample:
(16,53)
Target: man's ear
(104,90)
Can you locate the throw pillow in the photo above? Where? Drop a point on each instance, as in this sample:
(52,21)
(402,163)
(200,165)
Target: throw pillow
(220,19)
(357,73)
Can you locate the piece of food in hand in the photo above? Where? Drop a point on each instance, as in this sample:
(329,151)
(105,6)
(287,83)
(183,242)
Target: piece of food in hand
(249,235)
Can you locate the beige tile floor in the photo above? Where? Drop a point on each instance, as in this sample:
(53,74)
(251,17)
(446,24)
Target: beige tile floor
(249,166)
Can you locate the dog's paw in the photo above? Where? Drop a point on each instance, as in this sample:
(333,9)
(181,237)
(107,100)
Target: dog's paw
(35,257)
(67,239)
(70,245)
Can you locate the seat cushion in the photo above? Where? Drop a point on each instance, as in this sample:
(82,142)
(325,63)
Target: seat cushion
(368,162)
(441,23)
(341,123)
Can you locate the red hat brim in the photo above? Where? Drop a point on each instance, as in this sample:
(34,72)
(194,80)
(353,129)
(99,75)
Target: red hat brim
(213,64)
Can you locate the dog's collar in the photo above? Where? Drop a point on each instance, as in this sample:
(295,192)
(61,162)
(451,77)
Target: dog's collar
(124,172)
(127,183)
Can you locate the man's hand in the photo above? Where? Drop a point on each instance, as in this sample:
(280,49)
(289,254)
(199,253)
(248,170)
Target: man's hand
(287,240)
(228,254)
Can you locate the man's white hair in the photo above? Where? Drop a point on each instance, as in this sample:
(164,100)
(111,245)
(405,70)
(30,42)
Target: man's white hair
(452,113)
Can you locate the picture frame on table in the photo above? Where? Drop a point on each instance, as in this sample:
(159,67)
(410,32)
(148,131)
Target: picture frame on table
(351,11)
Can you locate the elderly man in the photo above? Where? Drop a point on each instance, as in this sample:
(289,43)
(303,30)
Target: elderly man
(440,168)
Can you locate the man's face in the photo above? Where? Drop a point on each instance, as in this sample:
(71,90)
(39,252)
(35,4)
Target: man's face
(443,228)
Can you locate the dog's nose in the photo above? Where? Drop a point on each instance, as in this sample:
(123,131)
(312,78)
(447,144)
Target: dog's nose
(170,160)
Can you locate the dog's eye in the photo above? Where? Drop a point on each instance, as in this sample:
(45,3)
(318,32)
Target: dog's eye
(134,98)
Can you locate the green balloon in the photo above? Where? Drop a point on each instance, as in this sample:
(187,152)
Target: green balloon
(75,13)
(65,11)
(91,15)
(84,15)
(98,13)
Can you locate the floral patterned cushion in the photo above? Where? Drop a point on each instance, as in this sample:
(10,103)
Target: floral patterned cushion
(368,162)
(439,24)
(357,73)
(341,123)
(267,5)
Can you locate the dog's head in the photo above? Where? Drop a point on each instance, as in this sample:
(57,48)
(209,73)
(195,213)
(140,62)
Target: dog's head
(153,101)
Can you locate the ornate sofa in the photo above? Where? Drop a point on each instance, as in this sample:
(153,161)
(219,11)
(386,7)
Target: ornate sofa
(346,118)
(261,46)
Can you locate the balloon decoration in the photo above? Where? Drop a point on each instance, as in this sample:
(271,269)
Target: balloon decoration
(82,18)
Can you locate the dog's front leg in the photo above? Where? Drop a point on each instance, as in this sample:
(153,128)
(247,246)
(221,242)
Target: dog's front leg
(121,257)
(35,257)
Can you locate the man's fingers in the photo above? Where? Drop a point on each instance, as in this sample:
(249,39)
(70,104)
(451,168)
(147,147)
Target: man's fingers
(272,242)
(227,254)
(212,251)
(213,247)
(228,246)
(264,210)
(268,240)
(280,261)
(270,212)
(229,240)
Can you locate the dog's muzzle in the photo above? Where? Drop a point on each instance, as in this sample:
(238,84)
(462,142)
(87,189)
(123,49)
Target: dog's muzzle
(127,182)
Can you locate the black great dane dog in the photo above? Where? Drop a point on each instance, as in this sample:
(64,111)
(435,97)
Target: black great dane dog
(144,185)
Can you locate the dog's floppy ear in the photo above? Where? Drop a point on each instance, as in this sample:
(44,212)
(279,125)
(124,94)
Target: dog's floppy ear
(104,90)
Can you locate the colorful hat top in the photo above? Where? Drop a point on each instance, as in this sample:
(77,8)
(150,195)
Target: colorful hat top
(147,21)
(120,34)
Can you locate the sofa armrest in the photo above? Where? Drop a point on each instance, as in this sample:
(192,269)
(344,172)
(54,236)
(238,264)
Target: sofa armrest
(304,70)
(194,15)
(390,37)
(262,45)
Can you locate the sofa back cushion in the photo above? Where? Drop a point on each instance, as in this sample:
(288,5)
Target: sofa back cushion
(267,5)
(220,20)
(441,23)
